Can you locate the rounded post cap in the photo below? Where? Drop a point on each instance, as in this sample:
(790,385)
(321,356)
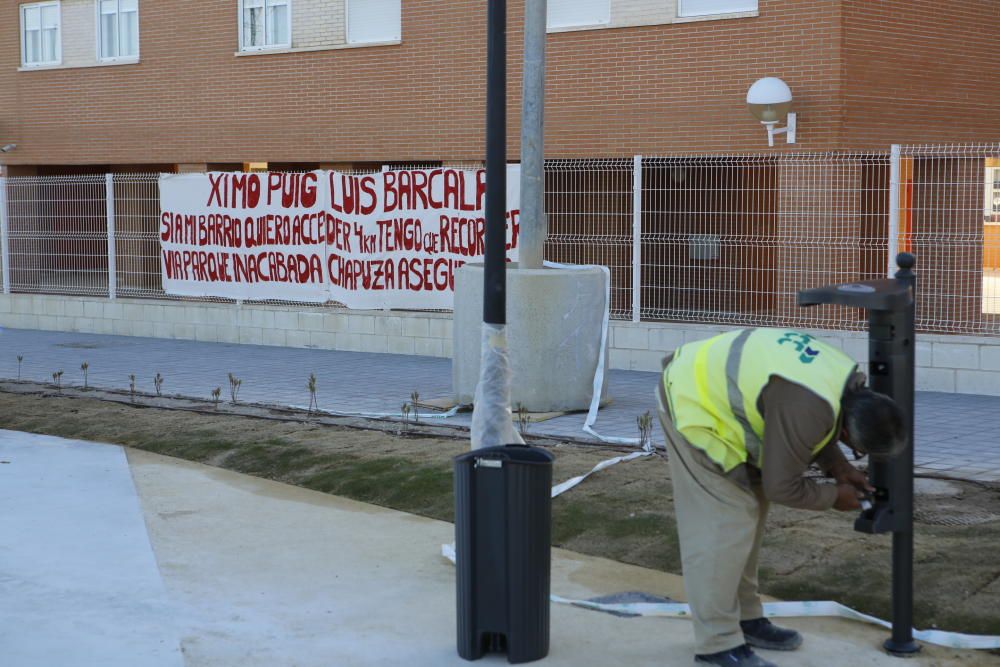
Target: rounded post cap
(905,260)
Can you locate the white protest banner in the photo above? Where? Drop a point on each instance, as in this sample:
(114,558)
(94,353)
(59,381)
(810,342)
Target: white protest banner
(387,240)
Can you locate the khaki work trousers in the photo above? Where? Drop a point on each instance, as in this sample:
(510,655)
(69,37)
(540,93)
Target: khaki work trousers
(720,525)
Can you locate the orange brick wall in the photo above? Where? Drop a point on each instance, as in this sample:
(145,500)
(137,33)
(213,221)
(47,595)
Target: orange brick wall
(920,71)
(654,89)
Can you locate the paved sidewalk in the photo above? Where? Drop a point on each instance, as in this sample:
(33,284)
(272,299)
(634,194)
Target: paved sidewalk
(957,434)
(175,564)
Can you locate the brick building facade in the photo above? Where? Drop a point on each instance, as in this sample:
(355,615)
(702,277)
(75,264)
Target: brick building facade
(647,81)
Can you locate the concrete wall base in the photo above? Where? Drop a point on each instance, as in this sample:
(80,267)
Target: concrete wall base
(962,364)
(554,321)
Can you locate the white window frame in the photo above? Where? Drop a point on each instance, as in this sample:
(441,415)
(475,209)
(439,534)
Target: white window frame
(580,24)
(99,26)
(738,7)
(24,45)
(347,27)
(991,203)
(266,47)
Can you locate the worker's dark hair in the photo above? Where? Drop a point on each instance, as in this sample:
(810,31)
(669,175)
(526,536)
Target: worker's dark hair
(875,423)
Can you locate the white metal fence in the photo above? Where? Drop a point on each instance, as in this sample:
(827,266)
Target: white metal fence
(710,239)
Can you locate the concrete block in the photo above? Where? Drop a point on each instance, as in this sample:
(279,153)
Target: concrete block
(93,309)
(428,347)
(989,357)
(619,359)
(439,327)
(978,382)
(925,354)
(389,325)
(374,343)
(665,340)
(935,379)
(103,326)
(418,327)
(53,306)
(228,333)
(144,329)
(646,360)
(251,336)
(276,337)
(66,323)
(336,322)
(175,314)
(208,333)
(956,355)
(122,327)
(448,348)
(5,305)
(114,311)
(857,349)
(351,342)
(84,324)
(296,338)
(694,335)
(311,322)
(219,314)
(47,322)
(196,315)
(26,307)
(244,317)
(324,340)
(262,318)
(131,311)
(630,337)
(554,335)
(74,308)
(286,319)
(154,313)
(400,344)
(361,324)
(184,331)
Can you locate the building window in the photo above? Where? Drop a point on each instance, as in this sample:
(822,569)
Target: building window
(118,29)
(374,21)
(40,39)
(265,24)
(705,7)
(570,13)
(991,208)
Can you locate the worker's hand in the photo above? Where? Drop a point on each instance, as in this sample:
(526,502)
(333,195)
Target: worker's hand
(848,474)
(848,498)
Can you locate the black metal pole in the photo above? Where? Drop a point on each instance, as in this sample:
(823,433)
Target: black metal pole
(901,642)
(495,267)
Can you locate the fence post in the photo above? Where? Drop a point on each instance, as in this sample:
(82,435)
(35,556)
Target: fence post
(637,238)
(894,161)
(4,239)
(109,191)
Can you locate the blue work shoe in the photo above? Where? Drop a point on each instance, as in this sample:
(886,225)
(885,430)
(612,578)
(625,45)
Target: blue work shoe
(761,633)
(741,656)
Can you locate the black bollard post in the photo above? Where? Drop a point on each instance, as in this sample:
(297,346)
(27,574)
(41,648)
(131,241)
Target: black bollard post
(901,387)
(495,260)
(891,361)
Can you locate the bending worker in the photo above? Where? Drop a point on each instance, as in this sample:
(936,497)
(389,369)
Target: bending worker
(745,414)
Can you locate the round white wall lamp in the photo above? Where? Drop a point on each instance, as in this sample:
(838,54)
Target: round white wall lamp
(769,100)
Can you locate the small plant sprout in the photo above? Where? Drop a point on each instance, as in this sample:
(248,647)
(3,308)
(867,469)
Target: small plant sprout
(523,419)
(645,423)
(405,411)
(158,384)
(313,405)
(85,367)
(57,379)
(131,388)
(414,401)
(20,358)
(216,394)
(234,387)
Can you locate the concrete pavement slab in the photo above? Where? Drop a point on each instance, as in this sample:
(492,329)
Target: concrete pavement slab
(80,585)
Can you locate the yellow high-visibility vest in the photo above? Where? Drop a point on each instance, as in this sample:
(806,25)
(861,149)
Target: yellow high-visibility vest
(713,386)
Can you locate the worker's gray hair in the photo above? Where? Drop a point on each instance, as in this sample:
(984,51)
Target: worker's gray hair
(875,423)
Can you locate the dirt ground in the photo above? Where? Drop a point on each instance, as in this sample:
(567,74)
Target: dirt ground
(624,513)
